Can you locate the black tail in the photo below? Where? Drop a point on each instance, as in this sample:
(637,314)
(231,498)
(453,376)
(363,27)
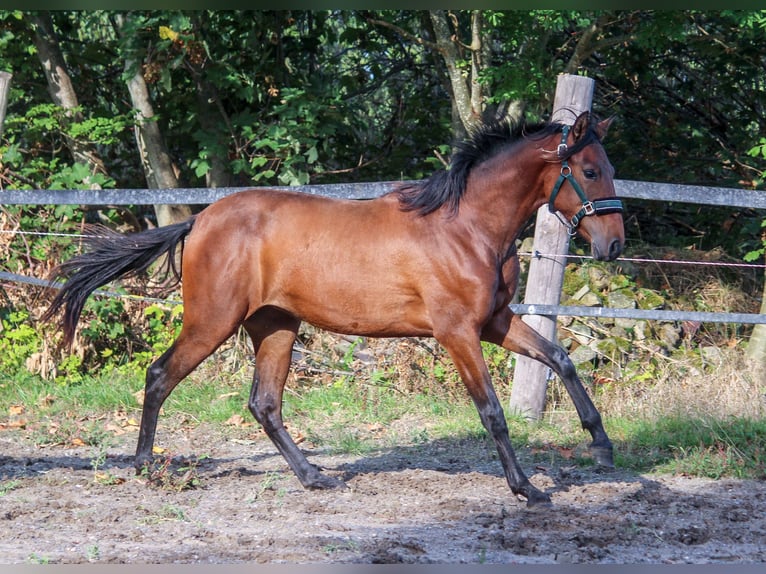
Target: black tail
(110,256)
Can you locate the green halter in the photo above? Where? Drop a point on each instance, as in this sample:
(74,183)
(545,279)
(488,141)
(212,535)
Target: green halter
(595,207)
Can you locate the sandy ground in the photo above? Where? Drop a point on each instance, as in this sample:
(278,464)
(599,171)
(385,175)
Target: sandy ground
(440,502)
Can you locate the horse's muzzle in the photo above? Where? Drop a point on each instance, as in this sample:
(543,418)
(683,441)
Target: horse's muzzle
(611,252)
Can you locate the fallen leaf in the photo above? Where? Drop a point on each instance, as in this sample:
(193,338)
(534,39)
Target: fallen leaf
(158,450)
(17,424)
(47,401)
(235,420)
(565,452)
(15,410)
(108,478)
(114,429)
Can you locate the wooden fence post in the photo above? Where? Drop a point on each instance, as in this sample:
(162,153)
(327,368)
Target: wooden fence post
(574,95)
(5,88)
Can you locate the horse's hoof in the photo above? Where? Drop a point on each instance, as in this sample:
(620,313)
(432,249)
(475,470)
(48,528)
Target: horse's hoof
(143,465)
(602,455)
(537,499)
(323,482)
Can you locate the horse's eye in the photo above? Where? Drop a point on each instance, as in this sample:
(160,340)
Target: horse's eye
(590,174)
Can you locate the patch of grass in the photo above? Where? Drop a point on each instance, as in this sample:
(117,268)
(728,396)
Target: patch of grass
(166,513)
(269,482)
(167,475)
(714,448)
(9,485)
(35,558)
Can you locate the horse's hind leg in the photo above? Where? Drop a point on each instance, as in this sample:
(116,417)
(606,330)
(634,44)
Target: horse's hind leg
(509,331)
(273,333)
(192,346)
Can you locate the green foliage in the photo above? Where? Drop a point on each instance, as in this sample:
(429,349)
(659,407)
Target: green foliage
(19,340)
(759,151)
(106,325)
(34,138)
(700,447)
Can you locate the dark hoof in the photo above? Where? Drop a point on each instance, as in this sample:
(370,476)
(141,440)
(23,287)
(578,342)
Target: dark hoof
(602,455)
(537,499)
(323,482)
(143,465)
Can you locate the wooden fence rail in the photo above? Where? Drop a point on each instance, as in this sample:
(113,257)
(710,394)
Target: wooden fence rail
(628,189)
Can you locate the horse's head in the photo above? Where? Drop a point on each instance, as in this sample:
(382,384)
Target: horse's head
(584,189)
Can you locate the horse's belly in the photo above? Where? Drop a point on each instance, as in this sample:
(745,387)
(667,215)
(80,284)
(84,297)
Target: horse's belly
(372,313)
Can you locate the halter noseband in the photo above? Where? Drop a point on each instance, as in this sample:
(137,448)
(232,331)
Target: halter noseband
(595,207)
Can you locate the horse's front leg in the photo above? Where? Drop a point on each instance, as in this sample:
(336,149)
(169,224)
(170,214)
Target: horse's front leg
(465,352)
(509,331)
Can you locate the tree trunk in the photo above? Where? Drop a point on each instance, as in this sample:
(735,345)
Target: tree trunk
(466,91)
(5,88)
(756,346)
(158,166)
(469,95)
(60,87)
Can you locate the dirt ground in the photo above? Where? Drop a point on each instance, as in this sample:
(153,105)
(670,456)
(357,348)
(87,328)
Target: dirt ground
(439,502)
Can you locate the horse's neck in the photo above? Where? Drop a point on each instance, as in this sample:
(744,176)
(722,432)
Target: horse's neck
(504,193)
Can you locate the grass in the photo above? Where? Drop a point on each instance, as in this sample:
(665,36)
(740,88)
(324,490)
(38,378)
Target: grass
(714,448)
(357,415)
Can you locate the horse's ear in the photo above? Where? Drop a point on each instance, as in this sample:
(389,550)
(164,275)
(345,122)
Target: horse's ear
(581,126)
(603,126)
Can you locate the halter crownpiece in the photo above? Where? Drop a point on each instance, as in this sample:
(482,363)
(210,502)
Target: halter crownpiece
(595,207)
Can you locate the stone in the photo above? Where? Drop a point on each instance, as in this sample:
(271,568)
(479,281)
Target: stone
(582,354)
(621,299)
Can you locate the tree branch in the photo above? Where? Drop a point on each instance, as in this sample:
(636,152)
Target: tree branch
(404,33)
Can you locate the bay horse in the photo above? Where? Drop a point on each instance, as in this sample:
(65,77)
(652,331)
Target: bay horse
(435,258)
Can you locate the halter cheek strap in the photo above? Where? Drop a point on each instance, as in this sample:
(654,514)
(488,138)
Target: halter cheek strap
(595,207)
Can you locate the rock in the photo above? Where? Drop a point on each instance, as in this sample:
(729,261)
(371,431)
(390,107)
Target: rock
(617,282)
(711,355)
(648,299)
(582,354)
(598,278)
(581,333)
(625,323)
(670,335)
(590,299)
(581,293)
(639,330)
(621,299)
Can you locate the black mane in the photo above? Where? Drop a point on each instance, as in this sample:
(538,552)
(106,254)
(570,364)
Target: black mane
(448,186)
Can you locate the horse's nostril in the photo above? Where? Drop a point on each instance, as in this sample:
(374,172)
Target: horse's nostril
(615,248)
